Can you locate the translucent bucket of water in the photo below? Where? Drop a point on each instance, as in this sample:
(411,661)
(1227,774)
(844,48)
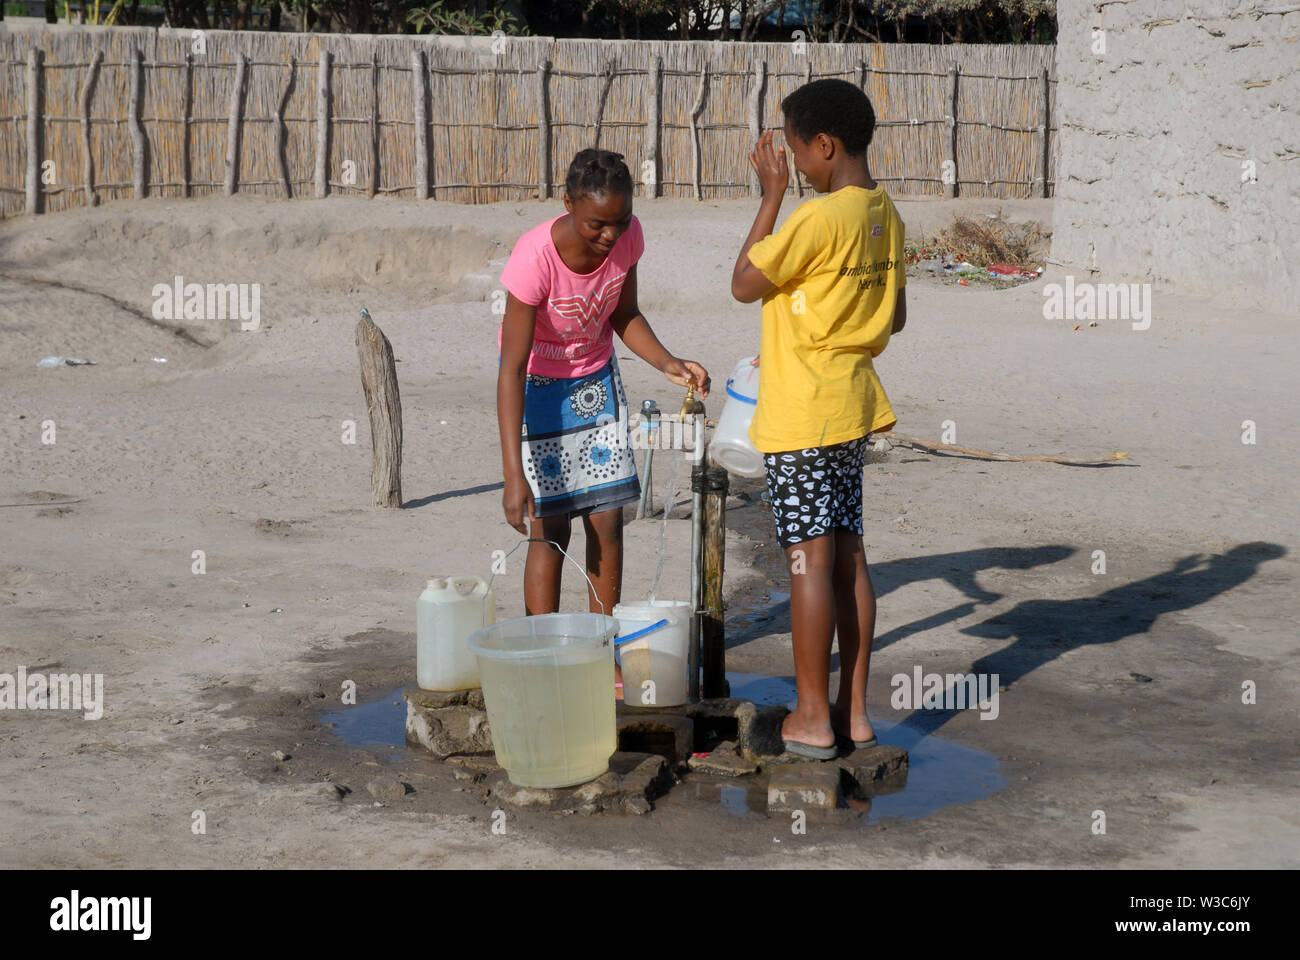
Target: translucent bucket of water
(548,684)
(731,446)
(656,667)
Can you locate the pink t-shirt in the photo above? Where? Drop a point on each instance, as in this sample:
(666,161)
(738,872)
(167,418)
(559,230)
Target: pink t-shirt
(572,336)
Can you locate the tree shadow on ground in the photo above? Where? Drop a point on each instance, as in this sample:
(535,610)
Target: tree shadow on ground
(449,494)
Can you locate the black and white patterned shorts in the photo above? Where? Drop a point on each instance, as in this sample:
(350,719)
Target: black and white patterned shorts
(815,490)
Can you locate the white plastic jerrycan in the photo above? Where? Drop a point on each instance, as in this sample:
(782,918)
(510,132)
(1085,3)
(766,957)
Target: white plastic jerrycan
(731,446)
(448,611)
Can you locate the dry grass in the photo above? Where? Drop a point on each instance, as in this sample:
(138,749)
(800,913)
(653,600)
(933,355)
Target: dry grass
(985,242)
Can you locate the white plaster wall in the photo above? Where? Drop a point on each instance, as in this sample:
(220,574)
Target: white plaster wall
(1160,136)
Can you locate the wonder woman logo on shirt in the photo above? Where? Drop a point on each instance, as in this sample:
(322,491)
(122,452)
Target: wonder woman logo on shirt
(584,311)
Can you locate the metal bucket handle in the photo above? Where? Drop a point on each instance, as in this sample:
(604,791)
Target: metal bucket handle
(581,569)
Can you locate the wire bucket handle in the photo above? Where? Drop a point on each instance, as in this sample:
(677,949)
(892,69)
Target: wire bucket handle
(580,567)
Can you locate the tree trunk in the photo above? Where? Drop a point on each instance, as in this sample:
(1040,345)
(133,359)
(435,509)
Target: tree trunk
(379,383)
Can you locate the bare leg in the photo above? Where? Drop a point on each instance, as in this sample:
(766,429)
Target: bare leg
(855,626)
(604,532)
(812,624)
(545,564)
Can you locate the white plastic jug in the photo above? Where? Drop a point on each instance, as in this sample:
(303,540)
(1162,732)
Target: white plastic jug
(731,447)
(448,611)
(661,656)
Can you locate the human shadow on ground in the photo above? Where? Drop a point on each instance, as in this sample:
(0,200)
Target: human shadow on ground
(957,569)
(1043,630)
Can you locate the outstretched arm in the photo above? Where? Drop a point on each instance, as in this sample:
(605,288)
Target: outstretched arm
(634,330)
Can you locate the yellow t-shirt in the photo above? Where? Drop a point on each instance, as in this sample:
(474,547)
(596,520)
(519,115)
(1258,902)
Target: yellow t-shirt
(837,263)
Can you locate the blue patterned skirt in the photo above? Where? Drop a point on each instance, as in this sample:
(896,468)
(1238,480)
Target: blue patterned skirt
(577,443)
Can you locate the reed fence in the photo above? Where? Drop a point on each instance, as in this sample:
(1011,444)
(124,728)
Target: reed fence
(96,114)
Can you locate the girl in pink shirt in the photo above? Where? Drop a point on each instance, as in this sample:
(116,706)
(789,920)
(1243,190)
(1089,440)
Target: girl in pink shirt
(566,445)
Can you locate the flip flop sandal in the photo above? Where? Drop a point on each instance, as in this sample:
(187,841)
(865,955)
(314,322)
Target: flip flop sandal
(843,740)
(799,748)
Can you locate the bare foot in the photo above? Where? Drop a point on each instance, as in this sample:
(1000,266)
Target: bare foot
(799,728)
(858,728)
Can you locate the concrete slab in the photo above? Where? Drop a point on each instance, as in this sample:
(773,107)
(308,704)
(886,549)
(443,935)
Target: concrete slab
(723,761)
(629,786)
(450,729)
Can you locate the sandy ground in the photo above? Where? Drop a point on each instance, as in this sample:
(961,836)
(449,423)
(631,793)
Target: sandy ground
(233,447)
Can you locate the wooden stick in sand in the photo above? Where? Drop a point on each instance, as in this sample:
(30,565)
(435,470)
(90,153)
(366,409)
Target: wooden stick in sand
(925,446)
(379,382)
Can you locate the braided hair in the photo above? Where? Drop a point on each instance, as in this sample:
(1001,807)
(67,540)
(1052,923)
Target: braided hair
(594,172)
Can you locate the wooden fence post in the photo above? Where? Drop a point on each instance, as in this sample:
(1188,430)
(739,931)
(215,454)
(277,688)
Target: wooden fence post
(187,106)
(138,143)
(323,124)
(373,186)
(279,131)
(232,128)
(712,636)
(807,78)
(420,91)
(650,151)
(756,119)
(604,96)
(34,101)
(950,189)
(696,107)
(88,160)
(543,133)
(1045,161)
(384,402)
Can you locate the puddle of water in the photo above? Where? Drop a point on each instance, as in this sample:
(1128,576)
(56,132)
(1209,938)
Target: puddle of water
(763,690)
(738,800)
(940,773)
(373,723)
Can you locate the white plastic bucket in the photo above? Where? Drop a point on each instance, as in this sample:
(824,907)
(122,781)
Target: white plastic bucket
(730,446)
(656,667)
